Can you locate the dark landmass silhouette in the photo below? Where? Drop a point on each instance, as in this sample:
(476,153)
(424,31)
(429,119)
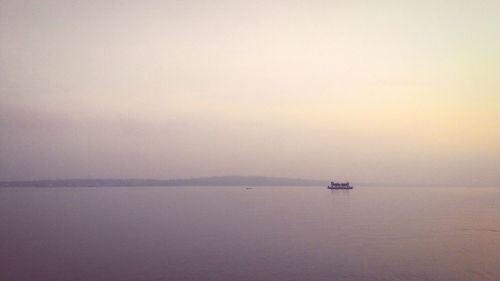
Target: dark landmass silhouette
(204,181)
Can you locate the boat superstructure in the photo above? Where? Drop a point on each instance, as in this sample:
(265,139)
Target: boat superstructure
(340,185)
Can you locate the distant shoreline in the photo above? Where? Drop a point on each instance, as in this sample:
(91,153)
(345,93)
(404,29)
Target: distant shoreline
(202,181)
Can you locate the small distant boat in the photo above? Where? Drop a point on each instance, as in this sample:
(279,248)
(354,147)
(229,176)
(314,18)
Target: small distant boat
(340,185)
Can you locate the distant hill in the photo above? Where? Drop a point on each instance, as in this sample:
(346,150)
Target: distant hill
(206,181)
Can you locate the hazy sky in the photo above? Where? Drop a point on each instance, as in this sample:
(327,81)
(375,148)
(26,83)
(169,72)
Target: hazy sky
(367,91)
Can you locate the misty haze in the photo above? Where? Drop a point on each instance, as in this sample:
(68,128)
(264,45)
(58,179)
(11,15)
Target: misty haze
(249,140)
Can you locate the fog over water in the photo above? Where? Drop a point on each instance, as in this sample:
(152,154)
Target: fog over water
(103,102)
(370,91)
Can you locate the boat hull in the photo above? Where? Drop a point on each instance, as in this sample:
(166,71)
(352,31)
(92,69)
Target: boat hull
(335,187)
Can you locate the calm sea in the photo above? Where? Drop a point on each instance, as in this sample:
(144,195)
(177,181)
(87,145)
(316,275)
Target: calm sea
(264,233)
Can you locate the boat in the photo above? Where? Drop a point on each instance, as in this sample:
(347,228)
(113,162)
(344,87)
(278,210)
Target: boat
(340,185)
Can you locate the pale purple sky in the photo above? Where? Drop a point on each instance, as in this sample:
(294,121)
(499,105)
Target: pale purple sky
(372,91)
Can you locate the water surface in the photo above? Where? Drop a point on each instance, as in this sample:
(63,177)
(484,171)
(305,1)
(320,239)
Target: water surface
(264,233)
